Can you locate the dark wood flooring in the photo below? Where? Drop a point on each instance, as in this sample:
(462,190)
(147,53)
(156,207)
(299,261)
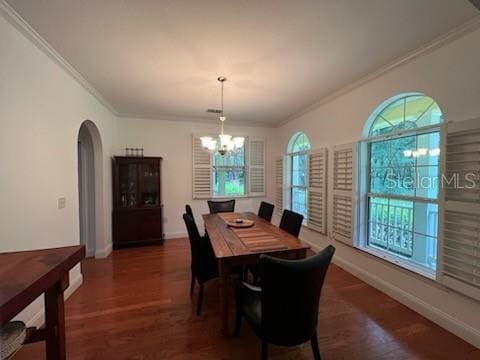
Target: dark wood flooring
(136,305)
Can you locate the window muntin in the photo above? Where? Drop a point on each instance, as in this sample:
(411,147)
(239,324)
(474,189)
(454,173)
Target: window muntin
(298,158)
(229,173)
(408,112)
(403,173)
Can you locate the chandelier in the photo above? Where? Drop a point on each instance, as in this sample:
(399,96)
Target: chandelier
(225,143)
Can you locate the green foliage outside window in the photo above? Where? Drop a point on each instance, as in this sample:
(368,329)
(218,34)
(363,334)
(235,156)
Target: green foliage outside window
(229,174)
(403,180)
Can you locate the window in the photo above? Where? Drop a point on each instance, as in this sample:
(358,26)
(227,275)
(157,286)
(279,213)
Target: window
(235,174)
(229,174)
(298,160)
(403,149)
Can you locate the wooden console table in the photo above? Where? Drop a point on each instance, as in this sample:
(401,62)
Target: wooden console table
(26,275)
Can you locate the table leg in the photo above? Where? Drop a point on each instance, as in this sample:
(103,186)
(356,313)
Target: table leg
(55,321)
(224,272)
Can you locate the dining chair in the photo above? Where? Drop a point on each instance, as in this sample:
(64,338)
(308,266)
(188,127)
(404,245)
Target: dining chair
(188,210)
(265,211)
(284,311)
(204,265)
(291,222)
(221,206)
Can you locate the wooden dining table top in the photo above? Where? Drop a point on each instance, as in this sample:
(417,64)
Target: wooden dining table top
(25,275)
(262,238)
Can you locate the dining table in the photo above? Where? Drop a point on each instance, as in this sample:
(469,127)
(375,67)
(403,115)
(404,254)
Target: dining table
(241,246)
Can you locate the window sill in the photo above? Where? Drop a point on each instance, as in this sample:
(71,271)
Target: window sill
(398,261)
(229,197)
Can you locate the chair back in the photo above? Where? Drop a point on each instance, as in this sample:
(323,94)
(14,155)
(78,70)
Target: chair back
(291,222)
(266,211)
(188,210)
(290,296)
(195,240)
(221,206)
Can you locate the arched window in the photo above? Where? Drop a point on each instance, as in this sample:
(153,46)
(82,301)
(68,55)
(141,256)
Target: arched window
(298,147)
(403,149)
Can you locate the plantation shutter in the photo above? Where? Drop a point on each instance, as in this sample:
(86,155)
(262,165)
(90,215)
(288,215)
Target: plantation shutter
(202,171)
(256,166)
(344,193)
(459,243)
(279,189)
(317,190)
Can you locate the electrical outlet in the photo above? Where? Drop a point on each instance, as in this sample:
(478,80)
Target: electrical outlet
(62,202)
(165,219)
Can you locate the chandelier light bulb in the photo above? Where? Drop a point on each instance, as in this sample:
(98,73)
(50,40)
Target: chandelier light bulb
(212,145)
(238,141)
(408,153)
(206,140)
(422,151)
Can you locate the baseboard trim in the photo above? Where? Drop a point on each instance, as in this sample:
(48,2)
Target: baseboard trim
(38,319)
(103,253)
(439,317)
(175,235)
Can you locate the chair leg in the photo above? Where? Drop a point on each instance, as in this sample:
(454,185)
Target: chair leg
(192,284)
(264,350)
(200,299)
(315,349)
(238,321)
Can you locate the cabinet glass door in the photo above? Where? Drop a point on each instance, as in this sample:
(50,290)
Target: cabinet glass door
(128,185)
(149,176)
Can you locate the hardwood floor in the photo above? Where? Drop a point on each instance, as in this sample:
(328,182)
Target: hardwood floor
(136,305)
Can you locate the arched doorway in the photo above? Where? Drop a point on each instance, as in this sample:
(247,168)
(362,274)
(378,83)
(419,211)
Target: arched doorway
(90,187)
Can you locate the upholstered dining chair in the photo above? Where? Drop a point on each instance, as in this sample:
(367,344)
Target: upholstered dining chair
(204,265)
(265,211)
(284,311)
(221,206)
(291,222)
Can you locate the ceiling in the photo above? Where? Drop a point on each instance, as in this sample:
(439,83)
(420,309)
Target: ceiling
(160,59)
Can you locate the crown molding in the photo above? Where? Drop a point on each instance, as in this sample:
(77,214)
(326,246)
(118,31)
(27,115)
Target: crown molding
(438,42)
(20,24)
(196,120)
(29,32)
(475,3)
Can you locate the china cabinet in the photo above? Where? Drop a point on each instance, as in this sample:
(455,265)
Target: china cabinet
(137,201)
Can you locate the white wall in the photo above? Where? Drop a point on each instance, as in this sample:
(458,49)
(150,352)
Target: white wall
(451,76)
(41,110)
(172,140)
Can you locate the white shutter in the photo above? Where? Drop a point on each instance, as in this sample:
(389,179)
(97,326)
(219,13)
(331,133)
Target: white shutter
(317,190)
(202,170)
(343,216)
(459,243)
(279,188)
(256,166)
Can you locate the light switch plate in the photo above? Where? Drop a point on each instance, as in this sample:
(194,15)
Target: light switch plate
(62,202)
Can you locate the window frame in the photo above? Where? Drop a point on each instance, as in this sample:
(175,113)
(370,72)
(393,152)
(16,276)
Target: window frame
(233,168)
(364,186)
(289,171)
